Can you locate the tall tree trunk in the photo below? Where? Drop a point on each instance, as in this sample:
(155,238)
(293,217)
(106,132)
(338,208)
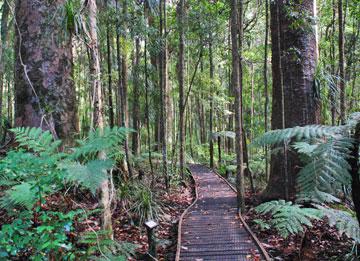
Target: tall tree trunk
(45,93)
(163,82)
(341,61)
(109,68)
(211,116)
(181,77)
(98,118)
(118,60)
(295,83)
(124,87)
(266,87)
(333,72)
(3,46)
(147,116)
(235,25)
(136,101)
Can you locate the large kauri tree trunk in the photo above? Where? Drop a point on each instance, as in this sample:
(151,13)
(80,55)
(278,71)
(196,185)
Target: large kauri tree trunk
(294,58)
(44,89)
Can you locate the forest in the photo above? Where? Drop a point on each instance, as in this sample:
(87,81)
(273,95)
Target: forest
(179,130)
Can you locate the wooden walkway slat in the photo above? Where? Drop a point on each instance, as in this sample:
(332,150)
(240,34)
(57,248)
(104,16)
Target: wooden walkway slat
(212,229)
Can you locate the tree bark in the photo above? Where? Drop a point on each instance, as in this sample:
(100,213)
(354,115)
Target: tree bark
(341,61)
(109,68)
(147,114)
(211,116)
(3,46)
(124,88)
(98,118)
(235,26)
(181,76)
(163,80)
(45,93)
(294,82)
(266,87)
(136,101)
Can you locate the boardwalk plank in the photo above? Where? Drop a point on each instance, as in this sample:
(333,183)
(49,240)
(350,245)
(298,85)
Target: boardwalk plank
(211,229)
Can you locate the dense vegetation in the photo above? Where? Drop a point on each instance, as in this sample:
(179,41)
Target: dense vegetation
(104,103)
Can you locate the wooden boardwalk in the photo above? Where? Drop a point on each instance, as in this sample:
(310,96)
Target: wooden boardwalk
(211,228)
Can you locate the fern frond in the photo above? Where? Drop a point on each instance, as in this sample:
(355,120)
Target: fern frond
(288,218)
(36,140)
(90,175)
(344,222)
(110,140)
(23,195)
(275,137)
(326,172)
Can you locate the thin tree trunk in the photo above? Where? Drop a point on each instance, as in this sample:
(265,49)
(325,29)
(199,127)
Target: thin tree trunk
(147,100)
(181,79)
(333,72)
(118,59)
(162,76)
(341,62)
(235,24)
(3,46)
(136,101)
(98,119)
(124,85)
(211,117)
(109,68)
(265,74)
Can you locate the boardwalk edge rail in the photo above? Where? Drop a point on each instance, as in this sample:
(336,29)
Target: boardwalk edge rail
(178,247)
(254,237)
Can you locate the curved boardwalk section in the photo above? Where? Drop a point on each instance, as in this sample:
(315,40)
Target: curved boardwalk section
(211,229)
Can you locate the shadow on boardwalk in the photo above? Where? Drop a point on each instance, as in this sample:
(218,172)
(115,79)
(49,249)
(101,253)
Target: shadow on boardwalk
(212,229)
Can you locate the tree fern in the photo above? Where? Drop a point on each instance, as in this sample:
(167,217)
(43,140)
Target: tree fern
(345,222)
(327,169)
(276,137)
(90,175)
(288,218)
(325,151)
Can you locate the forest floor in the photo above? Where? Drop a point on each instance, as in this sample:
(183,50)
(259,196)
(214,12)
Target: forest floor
(321,242)
(173,204)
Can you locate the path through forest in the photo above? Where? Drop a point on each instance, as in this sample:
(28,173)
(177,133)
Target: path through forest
(212,229)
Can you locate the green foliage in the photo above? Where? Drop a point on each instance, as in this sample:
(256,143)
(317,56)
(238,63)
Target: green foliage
(109,140)
(326,169)
(139,201)
(108,249)
(89,175)
(262,224)
(46,237)
(36,140)
(345,222)
(325,150)
(288,218)
(276,137)
(37,169)
(19,195)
